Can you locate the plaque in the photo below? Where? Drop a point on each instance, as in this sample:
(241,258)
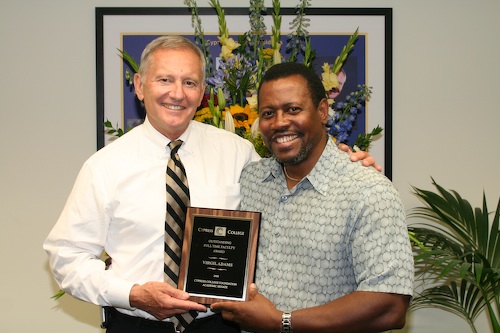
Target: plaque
(219,253)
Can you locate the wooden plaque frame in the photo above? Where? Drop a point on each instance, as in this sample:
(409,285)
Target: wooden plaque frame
(214,242)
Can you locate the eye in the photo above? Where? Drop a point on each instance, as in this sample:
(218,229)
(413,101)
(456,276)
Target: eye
(164,80)
(293,110)
(190,83)
(266,114)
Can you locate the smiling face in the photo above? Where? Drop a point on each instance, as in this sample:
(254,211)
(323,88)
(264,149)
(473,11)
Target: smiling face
(171,88)
(292,127)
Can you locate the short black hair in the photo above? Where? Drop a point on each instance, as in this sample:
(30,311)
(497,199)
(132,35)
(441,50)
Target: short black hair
(287,69)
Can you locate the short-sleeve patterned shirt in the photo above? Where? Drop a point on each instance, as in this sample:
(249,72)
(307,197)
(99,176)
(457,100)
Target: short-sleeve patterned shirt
(341,229)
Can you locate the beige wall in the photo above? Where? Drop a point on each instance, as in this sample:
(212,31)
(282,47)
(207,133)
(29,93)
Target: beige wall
(446,120)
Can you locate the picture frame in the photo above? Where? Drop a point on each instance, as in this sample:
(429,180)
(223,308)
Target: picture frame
(113,24)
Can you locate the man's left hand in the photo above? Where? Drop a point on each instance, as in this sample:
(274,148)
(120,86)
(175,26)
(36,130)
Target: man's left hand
(363,156)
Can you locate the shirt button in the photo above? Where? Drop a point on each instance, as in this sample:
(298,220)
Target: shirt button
(284,198)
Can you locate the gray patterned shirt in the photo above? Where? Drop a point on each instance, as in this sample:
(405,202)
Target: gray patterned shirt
(341,229)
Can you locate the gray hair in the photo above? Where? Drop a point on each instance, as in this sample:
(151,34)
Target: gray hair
(168,43)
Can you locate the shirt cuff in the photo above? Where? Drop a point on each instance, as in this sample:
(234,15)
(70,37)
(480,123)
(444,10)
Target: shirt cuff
(119,294)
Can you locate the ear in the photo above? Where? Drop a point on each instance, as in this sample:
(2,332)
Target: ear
(138,86)
(323,108)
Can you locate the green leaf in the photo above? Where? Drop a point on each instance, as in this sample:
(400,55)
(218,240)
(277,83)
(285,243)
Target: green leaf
(363,141)
(58,295)
(109,129)
(339,61)
(129,60)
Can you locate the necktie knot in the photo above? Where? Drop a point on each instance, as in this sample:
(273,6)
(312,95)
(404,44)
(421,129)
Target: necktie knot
(174,147)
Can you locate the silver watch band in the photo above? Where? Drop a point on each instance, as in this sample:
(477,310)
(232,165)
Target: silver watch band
(286,322)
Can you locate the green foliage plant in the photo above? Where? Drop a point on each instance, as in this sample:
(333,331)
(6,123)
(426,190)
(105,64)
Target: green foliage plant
(457,256)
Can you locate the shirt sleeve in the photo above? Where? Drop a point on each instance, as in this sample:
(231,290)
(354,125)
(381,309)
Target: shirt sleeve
(381,251)
(76,243)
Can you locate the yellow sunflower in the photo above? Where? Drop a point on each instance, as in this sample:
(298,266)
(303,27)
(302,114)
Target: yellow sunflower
(243,116)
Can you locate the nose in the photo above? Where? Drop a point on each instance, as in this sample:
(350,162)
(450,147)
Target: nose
(280,120)
(177,91)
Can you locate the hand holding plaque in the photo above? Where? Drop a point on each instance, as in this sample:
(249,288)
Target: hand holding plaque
(219,253)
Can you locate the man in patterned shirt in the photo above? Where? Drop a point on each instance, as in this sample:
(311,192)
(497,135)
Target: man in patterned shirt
(334,253)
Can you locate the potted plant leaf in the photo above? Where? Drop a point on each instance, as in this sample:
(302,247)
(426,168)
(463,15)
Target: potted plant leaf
(457,255)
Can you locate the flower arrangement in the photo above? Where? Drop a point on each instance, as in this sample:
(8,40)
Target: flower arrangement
(231,100)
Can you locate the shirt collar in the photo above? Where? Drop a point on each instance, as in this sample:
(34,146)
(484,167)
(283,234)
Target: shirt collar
(161,142)
(156,137)
(318,176)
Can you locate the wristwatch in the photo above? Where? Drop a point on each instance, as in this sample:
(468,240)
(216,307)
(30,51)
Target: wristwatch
(286,322)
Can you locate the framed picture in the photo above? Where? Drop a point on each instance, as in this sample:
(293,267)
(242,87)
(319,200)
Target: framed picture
(130,29)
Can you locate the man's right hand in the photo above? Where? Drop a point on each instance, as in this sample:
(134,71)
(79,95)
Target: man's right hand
(162,300)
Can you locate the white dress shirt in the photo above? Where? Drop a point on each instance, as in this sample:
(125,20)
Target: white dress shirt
(118,204)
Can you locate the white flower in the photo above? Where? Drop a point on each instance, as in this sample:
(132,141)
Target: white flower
(229,122)
(254,130)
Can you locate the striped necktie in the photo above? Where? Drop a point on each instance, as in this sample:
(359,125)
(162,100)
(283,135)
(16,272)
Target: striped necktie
(177,203)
